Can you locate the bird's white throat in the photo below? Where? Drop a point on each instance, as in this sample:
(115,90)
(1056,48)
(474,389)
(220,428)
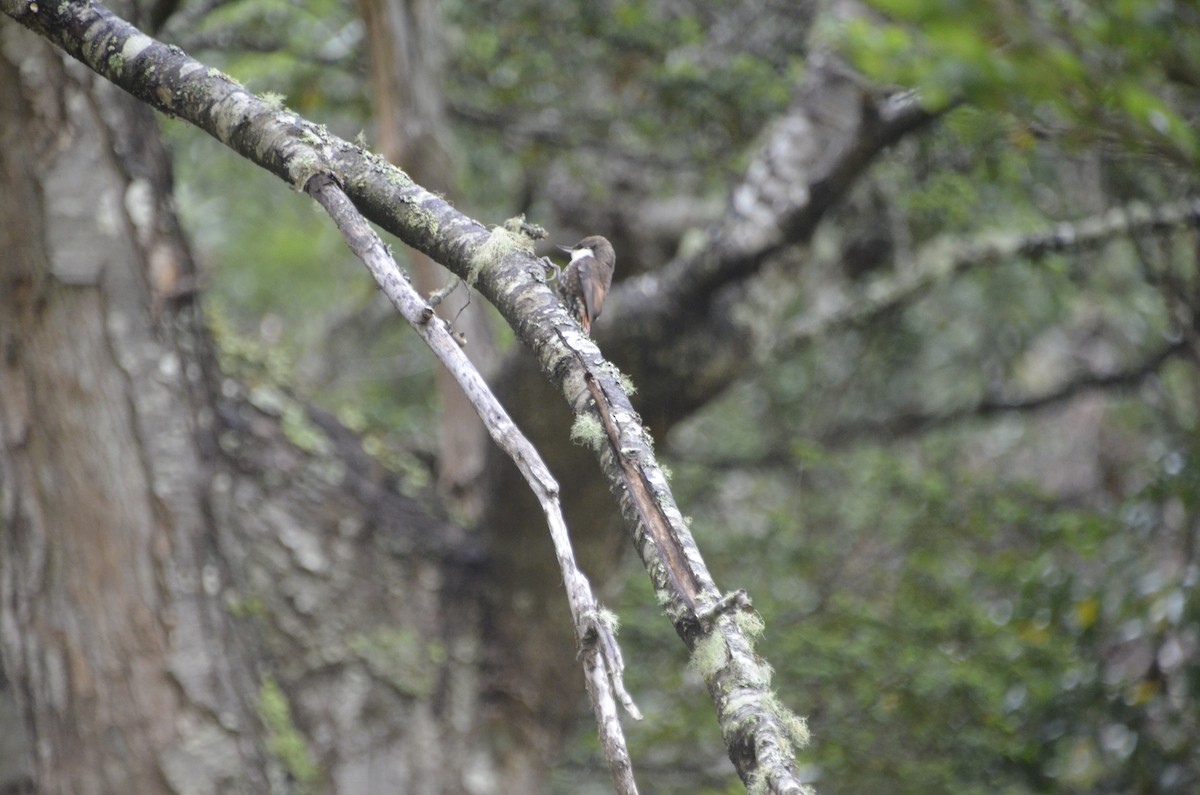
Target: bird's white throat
(580,253)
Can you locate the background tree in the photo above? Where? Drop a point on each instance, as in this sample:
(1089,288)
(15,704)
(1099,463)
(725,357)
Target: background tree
(938,398)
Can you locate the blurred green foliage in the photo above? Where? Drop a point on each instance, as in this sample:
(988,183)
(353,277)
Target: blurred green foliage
(1087,71)
(671,90)
(945,624)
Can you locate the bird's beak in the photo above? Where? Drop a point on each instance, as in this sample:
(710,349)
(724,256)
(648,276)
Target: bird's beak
(567,249)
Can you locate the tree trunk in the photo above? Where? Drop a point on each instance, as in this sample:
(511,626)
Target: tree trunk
(203,588)
(405,42)
(113,633)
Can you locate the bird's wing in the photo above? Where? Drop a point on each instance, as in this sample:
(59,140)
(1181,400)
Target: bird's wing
(591,287)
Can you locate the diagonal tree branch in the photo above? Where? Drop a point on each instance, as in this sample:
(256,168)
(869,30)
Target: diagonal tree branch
(759,734)
(910,424)
(897,426)
(833,130)
(945,259)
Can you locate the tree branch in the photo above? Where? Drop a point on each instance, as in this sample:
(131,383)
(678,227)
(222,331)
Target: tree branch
(917,423)
(601,656)
(674,322)
(759,734)
(945,259)
(812,154)
(913,424)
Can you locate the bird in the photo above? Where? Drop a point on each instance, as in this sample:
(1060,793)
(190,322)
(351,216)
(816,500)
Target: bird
(584,284)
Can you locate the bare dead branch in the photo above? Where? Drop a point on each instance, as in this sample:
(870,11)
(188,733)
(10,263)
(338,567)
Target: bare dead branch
(601,658)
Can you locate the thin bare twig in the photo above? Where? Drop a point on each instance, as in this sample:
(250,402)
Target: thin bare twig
(602,661)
